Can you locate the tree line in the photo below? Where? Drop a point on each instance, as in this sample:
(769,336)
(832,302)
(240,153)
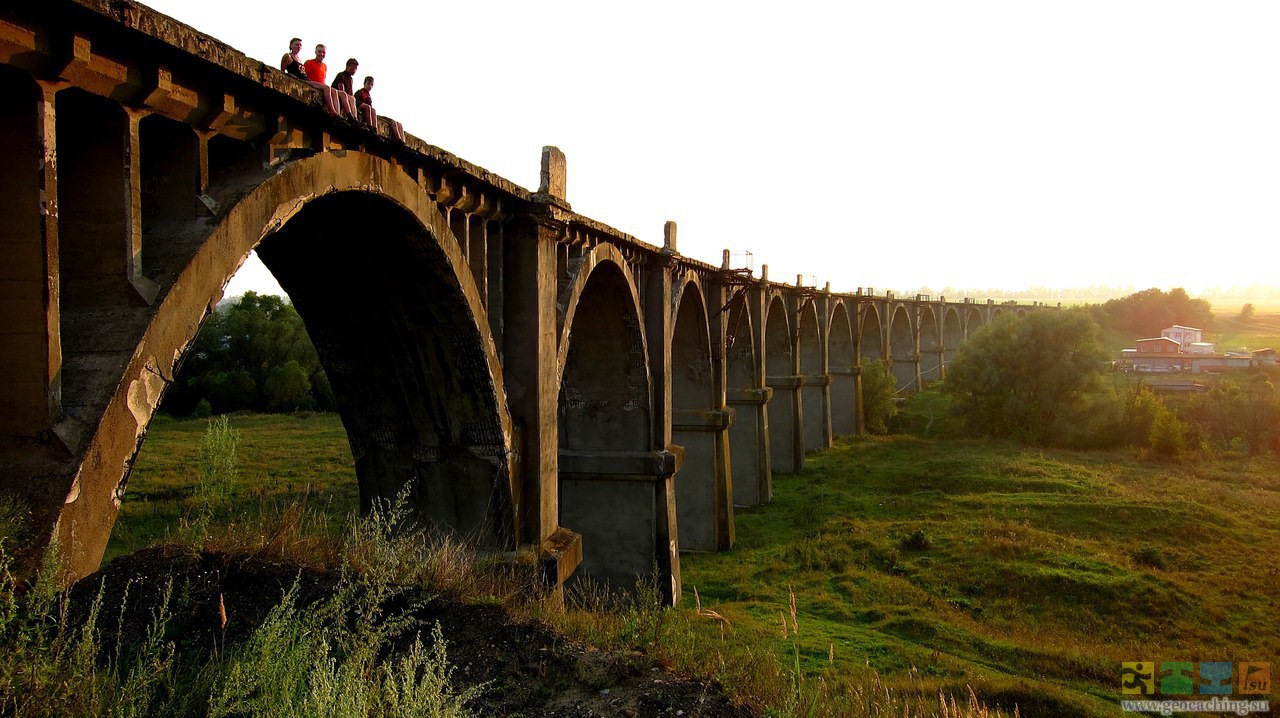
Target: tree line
(1043,378)
(251,354)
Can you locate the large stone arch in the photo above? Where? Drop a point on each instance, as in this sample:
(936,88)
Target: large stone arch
(780,370)
(455,454)
(952,336)
(609,471)
(695,419)
(903,350)
(842,363)
(930,344)
(746,394)
(816,420)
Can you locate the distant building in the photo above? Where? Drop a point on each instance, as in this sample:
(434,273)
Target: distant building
(1220,362)
(1183,335)
(1180,348)
(1158,345)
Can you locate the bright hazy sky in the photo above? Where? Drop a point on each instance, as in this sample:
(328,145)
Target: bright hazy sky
(887,144)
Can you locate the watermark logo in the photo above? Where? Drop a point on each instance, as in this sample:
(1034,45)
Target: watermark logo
(1255,679)
(1191,687)
(1138,679)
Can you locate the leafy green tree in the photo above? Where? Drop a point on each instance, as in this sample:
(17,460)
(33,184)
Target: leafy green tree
(235,354)
(287,388)
(1145,313)
(1247,312)
(878,405)
(1024,376)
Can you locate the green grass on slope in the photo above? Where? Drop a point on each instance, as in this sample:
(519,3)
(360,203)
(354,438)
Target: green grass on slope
(1030,575)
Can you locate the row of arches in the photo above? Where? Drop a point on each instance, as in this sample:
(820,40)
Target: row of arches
(664,400)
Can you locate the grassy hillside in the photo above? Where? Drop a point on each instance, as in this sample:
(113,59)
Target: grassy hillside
(1030,575)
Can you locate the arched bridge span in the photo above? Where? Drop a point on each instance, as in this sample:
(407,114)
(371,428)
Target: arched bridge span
(536,378)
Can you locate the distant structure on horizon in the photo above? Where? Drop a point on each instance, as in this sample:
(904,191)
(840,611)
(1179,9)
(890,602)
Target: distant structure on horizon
(1180,348)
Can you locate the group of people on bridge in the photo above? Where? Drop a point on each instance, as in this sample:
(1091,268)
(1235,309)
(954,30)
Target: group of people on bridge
(341,99)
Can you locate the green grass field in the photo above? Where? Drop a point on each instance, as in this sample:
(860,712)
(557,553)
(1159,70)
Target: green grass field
(939,564)
(282,459)
(1030,575)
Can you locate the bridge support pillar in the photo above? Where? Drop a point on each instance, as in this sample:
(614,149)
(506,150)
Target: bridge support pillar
(622,502)
(906,373)
(817,412)
(844,401)
(659,321)
(749,443)
(704,507)
(530,367)
(37,464)
(786,419)
(932,369)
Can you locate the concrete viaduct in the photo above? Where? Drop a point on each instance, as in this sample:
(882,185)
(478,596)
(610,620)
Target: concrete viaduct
(539,379)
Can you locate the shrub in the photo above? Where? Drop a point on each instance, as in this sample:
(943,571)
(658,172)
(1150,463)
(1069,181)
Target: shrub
(287,388)
(878,405)
(1026,376)
(217,461)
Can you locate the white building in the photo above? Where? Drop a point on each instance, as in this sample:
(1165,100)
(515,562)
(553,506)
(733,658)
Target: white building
(1183,335)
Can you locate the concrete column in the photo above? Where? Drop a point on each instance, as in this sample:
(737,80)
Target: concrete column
(817,412)
(609,498)
(786,442)
(724,463)
(931,360)
(99,166)
(843,400)
(749,435)
(658,323)
(531,373)
(496,252)
(30,343)
(749,443)
(478,254)
(704,508)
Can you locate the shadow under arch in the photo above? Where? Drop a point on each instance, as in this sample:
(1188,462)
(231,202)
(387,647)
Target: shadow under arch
(842,366)
(904,352)
(781,372)
(405,355)
(612,481)
(749,398)
(401,211)
(930,343)
(870,335)
(701,504)
(973,321)
(817,416)
(952,337)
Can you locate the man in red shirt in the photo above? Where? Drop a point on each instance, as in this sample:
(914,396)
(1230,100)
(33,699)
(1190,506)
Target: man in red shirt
(315,69)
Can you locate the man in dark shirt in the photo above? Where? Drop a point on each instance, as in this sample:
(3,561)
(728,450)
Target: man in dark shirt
(345,85)
(345,80)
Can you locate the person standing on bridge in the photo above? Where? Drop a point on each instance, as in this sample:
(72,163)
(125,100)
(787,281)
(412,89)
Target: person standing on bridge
(290,64)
